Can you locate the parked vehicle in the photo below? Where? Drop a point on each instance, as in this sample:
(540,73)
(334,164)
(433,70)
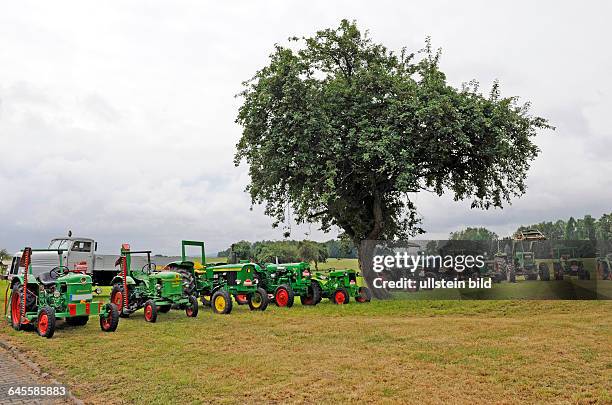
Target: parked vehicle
(283,282)
(62,293)
(340,285)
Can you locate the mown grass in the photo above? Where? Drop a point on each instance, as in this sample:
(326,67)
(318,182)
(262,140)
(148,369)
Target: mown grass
(392,351)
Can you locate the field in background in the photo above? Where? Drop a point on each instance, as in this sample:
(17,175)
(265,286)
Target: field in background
(450,351)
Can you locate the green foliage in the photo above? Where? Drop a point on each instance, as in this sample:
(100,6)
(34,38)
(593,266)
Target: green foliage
(342,130)
(4,255)
(586,228)
(312,252)
(473,234)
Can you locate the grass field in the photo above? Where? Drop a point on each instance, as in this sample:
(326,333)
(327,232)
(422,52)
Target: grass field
(390,351)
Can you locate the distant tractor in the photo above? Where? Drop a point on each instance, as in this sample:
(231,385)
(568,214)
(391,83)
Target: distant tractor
(524,261)
(155,291)
(283,282)
(61,293)
(340,285)
(566,263)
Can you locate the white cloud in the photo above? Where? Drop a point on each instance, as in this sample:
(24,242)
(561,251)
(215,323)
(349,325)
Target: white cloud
(117,119)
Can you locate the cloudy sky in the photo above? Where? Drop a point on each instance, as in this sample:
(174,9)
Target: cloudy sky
(117,118)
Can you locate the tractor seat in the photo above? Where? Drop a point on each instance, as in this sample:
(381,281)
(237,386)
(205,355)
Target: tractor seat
(46,279)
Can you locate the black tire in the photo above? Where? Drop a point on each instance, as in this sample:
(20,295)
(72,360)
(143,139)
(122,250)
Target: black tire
(558,270)
(164,309)
(313,296)
(111,321)
(258,301)
(335,299)
(15,296)
(46,320)
(193,311)
(290,295)
(544,272)
(317,285)
(150,310)
(77,320)
(512,276)
(364,295)
(216,302)
(189,280)
(118,289)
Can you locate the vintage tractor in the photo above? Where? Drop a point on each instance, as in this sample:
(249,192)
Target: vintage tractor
(566,263)
(340,285)
(155,291)
(284,281)
(604,267)
(525,263)
(217,283)
(59,293)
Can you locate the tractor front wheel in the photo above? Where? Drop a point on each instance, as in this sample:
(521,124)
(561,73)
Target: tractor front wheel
(16,307)
(77,320)
(284,296)
(192,311)
(110,322)
(365,295)
(116,298)
(150,311)
(258,301)
(46,322)
(313,296)
(340,296)
(221,302)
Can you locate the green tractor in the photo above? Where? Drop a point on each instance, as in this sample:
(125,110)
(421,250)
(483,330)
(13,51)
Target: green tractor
(217,283)
(525,263)
(56,294)
(155,291)
(566,263)
(286,281)
(340,285)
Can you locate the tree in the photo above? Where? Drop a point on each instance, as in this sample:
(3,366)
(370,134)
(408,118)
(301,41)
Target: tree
(343,132)
(570,229)
(312,252)
(473,234)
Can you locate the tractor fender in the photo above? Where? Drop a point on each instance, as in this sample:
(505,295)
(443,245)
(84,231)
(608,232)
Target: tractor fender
(119,280)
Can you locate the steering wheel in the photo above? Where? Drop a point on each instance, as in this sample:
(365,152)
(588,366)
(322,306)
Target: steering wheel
(58,271)
(149,267)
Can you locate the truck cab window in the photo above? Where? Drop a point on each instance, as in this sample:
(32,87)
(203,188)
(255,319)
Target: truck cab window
(81,246)
(15,266)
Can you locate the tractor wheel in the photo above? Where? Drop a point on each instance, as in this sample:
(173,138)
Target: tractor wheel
(258,301)
(221,302)
(340,297)
(111,321)
(77,320)
(188,281)
(544,272)
(164,308)
(313,296)
(241,299)
(192,311)
(16,306)
(512,276)
(116,298)
(150,311)
(365,295)
(45,324)
(558,270)
(317,286)
(284,296)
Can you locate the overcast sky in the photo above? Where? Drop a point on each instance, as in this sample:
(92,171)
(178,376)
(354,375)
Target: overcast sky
(117,118)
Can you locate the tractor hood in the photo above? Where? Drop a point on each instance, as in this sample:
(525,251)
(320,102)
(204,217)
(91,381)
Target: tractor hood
(167,275)
(75,278)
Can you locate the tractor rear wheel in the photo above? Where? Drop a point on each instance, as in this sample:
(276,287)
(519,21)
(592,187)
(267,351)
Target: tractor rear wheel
(150,311)
(77,320)
(192,311)
(16,306)
(340,296)
(111,321)
(258,301)
(365,295)
(116,298)
(313,296)
(284,296)
(45,324)
(221,302)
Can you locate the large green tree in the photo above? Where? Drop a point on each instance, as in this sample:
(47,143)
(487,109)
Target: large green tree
(341,131)
(470,233)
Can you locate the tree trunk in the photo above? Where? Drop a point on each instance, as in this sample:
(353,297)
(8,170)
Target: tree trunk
(364,253)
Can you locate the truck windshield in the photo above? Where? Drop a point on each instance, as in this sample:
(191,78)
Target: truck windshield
(59,244)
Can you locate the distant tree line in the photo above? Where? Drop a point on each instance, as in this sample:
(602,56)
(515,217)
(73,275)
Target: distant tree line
(291,250)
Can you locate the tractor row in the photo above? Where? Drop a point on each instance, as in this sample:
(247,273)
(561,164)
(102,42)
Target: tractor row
(38,300)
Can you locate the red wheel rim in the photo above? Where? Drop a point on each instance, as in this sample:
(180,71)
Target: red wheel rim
(339,297)
(43,324)
(241,297)
(189,311)
(148,312)
(282,297)
(106,322)
(361,298)
(118,300)
(15,308)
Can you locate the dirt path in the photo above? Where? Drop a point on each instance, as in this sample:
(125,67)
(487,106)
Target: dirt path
(13,373)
